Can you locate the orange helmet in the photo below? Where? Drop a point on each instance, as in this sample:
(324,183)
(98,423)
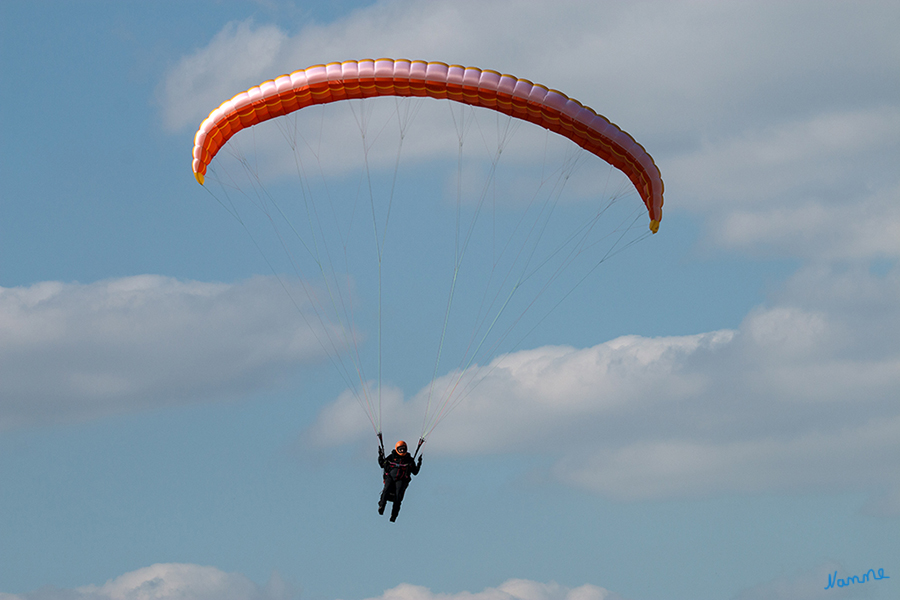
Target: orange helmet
(400,447)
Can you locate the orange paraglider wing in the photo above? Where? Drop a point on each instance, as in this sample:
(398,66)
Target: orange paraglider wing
(520,98)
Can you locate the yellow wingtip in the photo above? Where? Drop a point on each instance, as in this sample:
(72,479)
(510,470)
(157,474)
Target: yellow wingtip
(199,177)
(654,225)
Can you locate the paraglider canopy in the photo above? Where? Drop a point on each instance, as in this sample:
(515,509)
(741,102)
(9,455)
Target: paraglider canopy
(520,98)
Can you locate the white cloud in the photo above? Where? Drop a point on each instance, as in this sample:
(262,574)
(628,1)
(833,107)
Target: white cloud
(169,581)
(77,351)
(649,60)
(823,188)
(802,397)
(810,157)
(513,589)
(819,461)
(195,582)
(230,63)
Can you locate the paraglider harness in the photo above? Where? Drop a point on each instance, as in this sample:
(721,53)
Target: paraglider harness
(402,470)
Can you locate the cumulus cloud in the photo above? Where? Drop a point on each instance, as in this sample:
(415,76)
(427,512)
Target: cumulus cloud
(807,157)
(513,589)
(788,147)
(801,397)
(166,581)
(195,582)
(821,188)
(77,351)
(230,63)
(663,58)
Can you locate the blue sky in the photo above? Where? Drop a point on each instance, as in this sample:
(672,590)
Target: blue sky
(712,414)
